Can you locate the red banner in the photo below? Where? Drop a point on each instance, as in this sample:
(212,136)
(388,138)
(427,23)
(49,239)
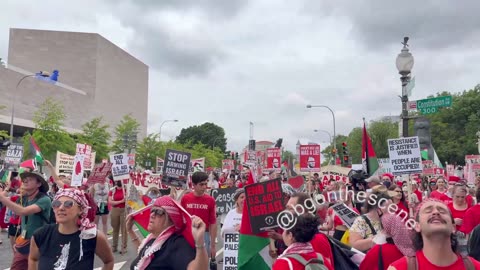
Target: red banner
(274,157)
(310,158)
(99,173)
(228,164)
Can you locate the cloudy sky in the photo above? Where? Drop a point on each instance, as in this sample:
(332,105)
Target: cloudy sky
(235,61)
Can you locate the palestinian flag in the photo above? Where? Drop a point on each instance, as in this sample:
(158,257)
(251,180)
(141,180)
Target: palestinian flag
(5,175)
(36,151)
(369,158)
(27,164)
(253,249)
(436,160)
(141,219)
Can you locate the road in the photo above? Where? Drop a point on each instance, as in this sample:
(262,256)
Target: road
(122,262)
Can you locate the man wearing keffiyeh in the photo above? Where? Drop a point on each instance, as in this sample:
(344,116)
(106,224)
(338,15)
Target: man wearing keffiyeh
(73,241)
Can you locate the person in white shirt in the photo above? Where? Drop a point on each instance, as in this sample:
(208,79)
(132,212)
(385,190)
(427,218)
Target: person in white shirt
(233,219)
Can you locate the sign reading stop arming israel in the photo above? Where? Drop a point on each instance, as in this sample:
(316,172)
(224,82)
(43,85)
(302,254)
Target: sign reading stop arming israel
(405,155)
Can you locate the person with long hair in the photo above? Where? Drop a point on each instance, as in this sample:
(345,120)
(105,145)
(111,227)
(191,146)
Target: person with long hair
(399,244)
(117,198)
(441,189)
(99,193)
(176,240)
(459,205)
(73,242)
(233,219)
(299,249)
(434,241)
(398,199)
(472,216)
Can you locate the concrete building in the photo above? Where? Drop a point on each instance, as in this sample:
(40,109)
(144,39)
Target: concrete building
(96,78)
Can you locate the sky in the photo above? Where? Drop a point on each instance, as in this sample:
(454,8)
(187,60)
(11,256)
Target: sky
(240,61)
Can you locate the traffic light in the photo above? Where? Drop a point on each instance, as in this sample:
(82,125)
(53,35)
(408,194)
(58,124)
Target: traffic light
(346,157)
(233,155)
(236,155)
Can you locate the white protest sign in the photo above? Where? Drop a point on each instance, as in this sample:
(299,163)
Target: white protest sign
(77,174)
(346,214)
(384,166)
(197,165)
(230,251)
(85,149)
(120,168)
(405,155)
(64,163)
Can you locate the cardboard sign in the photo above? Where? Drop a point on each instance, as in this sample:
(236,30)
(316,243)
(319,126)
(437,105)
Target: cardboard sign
(120,168)
(176,168)
(224,199)
(250,157)
(264,203)
(143,182)
(274,158)
(334,172)
(197,165)
(346,214)
(310,158)
(77,174)
(64,163)
(405,155)
(99,173)
(160,163)
(230,251)
(228,164)
(384,166)
(14,154)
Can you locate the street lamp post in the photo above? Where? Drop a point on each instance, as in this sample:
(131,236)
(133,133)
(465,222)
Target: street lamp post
(161,125)
(404,65)
(334,128)
(331,142)
(42,74)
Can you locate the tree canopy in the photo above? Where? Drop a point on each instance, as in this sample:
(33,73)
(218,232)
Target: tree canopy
(208,134)
(96,134)
(125,134)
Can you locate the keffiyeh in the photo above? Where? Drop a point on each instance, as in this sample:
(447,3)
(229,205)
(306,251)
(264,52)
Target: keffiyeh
(394,227)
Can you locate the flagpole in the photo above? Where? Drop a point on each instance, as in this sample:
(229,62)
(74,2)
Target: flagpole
(365,141)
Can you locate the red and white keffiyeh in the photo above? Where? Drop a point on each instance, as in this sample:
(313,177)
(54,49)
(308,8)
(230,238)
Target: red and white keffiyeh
(182,224)
(402,237)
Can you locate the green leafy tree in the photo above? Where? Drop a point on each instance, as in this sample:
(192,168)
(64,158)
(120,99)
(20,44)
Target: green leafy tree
(327,152)
(354,142)
(380,132)
(148,150)
(208,134)
(3,133)
(126,134)
(49,133)
(95,133)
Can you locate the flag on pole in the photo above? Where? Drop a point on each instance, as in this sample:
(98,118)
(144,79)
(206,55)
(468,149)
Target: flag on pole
(253,249)
(369,158)
(36,151)
(27,164)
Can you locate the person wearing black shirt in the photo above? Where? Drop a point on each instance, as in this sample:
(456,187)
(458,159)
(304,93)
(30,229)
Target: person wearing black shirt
(73,241)
(176,239)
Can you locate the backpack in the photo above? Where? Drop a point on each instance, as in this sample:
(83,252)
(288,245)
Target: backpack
(412,263)
(312,264)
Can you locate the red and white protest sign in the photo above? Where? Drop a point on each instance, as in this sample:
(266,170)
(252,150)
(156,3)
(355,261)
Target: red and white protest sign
(472,162)
(86,150)
(131,160)
(99,173)
(274,157)
(310,158)
(228,164)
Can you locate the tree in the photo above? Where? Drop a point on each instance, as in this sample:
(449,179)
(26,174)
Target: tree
(148,150)
(380,132)
(125,134)
(95,133)
(3,133)
(328,151)
(49,133)
(208,134)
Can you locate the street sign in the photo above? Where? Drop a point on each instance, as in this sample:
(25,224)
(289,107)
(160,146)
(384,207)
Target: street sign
(412,105)
(431,105)
(410,86)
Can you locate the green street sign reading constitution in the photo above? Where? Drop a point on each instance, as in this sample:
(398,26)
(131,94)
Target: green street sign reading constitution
(431,105)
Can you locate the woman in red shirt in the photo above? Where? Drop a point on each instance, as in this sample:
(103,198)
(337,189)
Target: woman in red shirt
(459,205)
(441,190)
(299,248)
(399,244)
(399,200)
(116,198)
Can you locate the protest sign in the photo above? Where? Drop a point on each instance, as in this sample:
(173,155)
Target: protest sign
(274,157)
(405,155)
(250,157)
(176,168)
(160,163)
(384,166)
(144,182)
(64,163)
(86,150)
(345,213)
(264,203)
(228,164)
(99,173)
(224,199)
(337,173)
(197,165)
(309,158)
(77,174)
(14,154)
(230,251)
(120,168)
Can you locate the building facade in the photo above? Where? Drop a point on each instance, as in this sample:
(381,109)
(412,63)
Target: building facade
(96,78)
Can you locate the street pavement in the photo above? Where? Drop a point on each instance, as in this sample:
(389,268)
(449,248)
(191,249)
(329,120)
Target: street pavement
(122,262)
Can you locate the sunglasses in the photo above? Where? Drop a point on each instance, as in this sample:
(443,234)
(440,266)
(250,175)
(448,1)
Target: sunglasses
(66,204)
(432,183)
(157,211)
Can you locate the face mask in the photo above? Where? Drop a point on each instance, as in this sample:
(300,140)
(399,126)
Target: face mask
(387,184)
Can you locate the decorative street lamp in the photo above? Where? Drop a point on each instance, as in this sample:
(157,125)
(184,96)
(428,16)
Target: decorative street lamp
(404,65)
